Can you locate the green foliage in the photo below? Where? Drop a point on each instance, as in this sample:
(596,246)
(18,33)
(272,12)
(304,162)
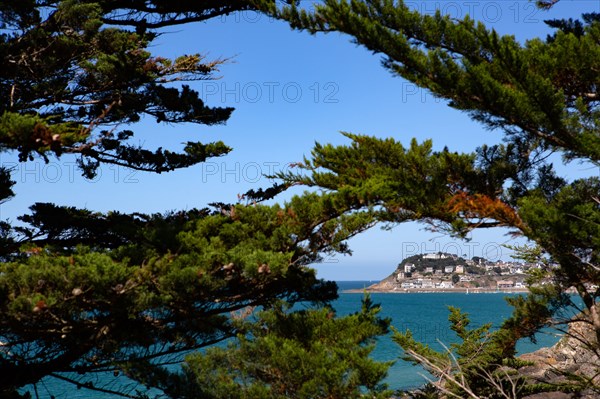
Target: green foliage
(541,94)
(568,227)
(403,184)
(282,354)
(81,291)
(74,72)
(5,185)
(149,287)
(469,367)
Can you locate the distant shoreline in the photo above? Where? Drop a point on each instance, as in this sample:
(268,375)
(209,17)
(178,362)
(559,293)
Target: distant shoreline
(438,290)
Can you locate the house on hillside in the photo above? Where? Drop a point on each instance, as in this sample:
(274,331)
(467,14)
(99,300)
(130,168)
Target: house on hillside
(504,284)
(448,269)
(459,269)
(409,267)
(516,270)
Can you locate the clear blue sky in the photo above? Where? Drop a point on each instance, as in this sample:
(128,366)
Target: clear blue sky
(291,89)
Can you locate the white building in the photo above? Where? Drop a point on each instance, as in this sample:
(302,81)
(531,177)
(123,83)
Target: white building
(439,255)
(445,284)
(427,283)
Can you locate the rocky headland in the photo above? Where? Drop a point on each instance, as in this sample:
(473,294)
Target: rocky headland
(442,272)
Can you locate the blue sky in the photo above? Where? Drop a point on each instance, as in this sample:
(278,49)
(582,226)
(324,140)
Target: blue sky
(291,89)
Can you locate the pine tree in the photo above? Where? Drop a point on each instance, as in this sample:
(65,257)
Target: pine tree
(168,288)
(73,70)
(82,292)
(541,94)
(303,354)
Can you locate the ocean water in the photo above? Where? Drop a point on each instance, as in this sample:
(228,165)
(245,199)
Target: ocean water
(426,315)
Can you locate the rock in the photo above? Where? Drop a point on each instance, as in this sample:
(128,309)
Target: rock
(568,357)
(550,395)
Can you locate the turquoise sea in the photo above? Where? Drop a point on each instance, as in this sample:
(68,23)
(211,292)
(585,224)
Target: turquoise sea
(426,315)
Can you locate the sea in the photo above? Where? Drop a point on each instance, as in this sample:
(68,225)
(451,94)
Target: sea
(424,314)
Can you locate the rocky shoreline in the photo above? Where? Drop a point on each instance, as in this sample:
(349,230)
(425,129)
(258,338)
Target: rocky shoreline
(575,358)
(570,369)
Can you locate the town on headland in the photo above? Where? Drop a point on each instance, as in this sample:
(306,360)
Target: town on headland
(443,272)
